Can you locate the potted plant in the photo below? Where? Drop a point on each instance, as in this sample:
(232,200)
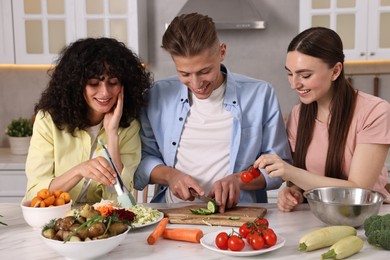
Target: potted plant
(19,132)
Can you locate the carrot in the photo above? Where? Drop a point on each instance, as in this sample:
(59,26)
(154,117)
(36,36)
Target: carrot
(183,234)
(158,231)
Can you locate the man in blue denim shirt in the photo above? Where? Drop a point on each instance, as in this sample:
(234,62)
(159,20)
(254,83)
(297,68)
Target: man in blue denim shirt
(206,125)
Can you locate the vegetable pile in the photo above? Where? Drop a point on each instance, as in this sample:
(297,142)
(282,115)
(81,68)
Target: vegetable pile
(377,230)
(87,223)
(256,233)
(342,239)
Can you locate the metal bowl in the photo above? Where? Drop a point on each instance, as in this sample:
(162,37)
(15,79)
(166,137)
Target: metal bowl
(343,205)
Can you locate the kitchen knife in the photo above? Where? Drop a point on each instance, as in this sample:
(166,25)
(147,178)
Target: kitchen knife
(202,198)
(125,198)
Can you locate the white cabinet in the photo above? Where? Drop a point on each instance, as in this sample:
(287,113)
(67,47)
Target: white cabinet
(362,25)
(13,180)
(6,39)
(43,27)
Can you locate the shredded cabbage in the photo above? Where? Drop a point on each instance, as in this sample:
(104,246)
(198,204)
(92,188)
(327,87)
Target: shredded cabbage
(144,215)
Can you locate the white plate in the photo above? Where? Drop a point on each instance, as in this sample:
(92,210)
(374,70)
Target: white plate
(150,223)
(208,241)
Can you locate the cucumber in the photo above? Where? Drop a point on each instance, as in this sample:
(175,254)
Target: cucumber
(212,206)
(343,248)
(324,237)
(201,211)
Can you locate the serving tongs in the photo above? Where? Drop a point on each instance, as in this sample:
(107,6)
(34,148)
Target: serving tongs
(125,198)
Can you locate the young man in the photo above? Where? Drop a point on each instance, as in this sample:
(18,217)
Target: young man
(204,126)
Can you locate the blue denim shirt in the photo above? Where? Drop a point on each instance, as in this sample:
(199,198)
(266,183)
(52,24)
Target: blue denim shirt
(258,128)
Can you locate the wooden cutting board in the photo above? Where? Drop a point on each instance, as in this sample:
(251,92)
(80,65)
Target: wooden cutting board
(183,215)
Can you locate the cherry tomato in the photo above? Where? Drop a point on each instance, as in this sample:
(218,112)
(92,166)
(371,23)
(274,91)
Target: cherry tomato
(246,228)
(249,238)
(257,241)
(269,237)
(255,172)
(246,176)
(221,240)
(235,243)
(262,223)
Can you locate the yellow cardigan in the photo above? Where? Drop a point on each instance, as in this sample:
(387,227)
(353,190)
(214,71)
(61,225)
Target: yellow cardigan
(52,152)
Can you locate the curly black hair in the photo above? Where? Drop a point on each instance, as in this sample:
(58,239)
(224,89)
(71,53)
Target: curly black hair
(90,58)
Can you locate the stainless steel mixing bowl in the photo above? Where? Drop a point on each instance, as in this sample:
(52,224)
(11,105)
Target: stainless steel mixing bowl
(343,205)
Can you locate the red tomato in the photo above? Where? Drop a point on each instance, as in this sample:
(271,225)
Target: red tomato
(249,238)
(246,176)
(244,230)
(235,243)
(255,172)
(269,237)
(221,240)
(257,242)
(262,223)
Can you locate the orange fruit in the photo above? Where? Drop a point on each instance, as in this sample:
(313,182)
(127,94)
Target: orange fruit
(59,202)
(49,200)
(44,193)
(35,202)
(65,196)
(57,193)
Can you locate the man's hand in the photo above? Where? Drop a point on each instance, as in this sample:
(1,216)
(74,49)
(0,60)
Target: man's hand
(226,192)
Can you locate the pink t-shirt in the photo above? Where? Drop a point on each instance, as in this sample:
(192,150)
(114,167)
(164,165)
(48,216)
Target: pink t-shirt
(370,124)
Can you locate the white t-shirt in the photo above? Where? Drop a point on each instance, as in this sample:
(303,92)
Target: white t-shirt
(204,147)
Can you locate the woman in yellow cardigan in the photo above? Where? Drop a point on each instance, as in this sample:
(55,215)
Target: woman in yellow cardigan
(95,92)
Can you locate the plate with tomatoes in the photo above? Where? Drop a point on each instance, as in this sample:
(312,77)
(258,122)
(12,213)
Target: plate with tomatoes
(252,238)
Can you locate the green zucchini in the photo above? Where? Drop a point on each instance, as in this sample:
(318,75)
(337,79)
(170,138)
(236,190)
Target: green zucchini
(343,248)
(324,237)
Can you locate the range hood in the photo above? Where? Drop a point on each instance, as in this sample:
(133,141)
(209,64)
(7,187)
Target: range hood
(227,14)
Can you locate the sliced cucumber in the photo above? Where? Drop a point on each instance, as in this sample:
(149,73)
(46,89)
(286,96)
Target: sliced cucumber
(212,206)
(201,211)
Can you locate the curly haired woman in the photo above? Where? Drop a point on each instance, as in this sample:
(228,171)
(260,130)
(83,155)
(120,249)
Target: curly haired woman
(95,92)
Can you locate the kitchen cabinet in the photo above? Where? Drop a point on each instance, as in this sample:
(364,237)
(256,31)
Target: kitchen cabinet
(6,40)
(13,180)
(43,27)
(362,25)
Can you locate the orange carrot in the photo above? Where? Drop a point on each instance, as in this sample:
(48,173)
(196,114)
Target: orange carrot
(183,234)
(158,231)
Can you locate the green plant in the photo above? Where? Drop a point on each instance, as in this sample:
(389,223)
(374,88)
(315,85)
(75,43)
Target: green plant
(20,127)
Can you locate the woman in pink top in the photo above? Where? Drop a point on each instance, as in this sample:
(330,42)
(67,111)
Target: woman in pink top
(339,136)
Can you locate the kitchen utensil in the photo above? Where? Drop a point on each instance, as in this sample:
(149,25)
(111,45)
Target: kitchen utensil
(202,198)
(125,198)
(343,205)
(233,217)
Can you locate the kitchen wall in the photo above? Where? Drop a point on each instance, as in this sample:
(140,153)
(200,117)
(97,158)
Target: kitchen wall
(256,53)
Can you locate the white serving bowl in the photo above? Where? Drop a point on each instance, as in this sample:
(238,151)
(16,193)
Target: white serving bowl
(85,249)
(38,217)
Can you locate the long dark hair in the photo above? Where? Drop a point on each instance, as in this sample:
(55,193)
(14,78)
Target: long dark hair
(325,44)
(84,59)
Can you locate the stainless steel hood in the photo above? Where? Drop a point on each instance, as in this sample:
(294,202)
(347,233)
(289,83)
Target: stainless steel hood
(227,14)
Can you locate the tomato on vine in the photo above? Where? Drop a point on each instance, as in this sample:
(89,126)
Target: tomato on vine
(235,243)
(262,223)
(270,237)
(221,240)
(246,176)
(255,171)
(256,241)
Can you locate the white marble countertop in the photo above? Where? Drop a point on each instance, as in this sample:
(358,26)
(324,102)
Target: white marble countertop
(10,161)
(20,241)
